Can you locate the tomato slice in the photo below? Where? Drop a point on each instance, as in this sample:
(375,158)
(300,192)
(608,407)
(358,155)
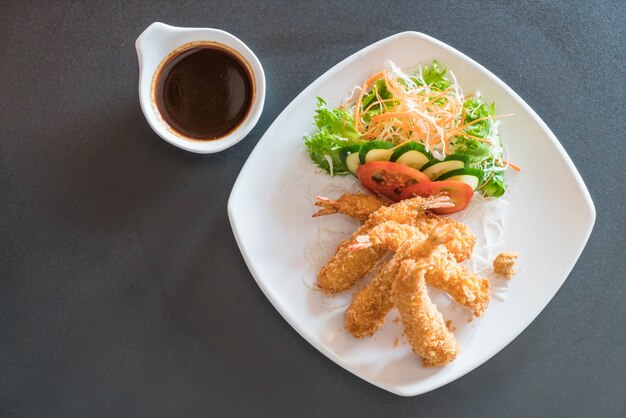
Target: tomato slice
(460,194)
(389,179)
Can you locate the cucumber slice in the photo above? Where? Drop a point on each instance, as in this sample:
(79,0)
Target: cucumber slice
(413,159)
(470,176)
(378,155)
(350,157)
(353,162)
(411,154)
(375,151)
(436,168)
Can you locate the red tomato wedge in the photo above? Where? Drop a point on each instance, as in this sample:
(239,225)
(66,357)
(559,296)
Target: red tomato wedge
(460,194)
(389,179)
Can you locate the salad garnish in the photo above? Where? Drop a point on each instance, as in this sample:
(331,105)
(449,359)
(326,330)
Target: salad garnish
(420,118)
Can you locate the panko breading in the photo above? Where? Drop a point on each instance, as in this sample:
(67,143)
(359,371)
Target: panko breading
(462,246)
(346,267)
(407,211)
(426,250)
(423,324)
(357,206)
(504,263)
(389,235)
(392,234)
(369,307)
(465,287)
(372,303)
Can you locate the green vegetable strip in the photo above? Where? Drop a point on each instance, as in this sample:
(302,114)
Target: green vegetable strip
(335,130)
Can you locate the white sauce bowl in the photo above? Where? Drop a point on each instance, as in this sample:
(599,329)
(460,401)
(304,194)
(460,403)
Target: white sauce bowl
(155,45)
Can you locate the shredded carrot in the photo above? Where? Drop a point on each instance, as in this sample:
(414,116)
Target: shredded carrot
(357,107)
(418,113)
(513,166)
(389,115)
(477,138)
(380,102)
(486,181)
(373,79)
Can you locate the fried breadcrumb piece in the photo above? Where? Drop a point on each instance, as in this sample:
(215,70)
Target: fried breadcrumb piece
(504,263)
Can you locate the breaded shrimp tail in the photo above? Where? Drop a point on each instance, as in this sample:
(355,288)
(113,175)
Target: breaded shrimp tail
(423,324)
(355,205)
(389,235)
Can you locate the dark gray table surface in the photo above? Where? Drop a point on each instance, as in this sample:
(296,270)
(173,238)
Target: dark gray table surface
(122,290)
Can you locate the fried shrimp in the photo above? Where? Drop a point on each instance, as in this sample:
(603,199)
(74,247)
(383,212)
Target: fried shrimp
(371,304)
(374,210)
(423,324)
(464,287)
(347,266)
(462,246)
(389,235)
(407,211)
(355,205)
(392,234)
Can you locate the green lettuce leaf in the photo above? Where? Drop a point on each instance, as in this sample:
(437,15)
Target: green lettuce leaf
(434,76)
(476,150)
(480,153)
(380,88)
(495,186)
(335,121)
(335,130)
(475,109)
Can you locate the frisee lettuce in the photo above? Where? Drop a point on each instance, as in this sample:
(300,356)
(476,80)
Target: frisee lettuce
(481,154)
(433,75)
(335,130)
(496,186)
(335,121)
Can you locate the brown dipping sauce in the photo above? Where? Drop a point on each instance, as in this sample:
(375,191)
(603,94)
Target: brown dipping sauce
(204,91)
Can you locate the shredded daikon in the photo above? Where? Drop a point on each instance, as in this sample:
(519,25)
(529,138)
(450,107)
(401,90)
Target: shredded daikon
(485,216)
(416,111)
(330,164)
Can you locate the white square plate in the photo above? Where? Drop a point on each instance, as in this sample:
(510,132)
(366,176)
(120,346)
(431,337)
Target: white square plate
(548,221)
